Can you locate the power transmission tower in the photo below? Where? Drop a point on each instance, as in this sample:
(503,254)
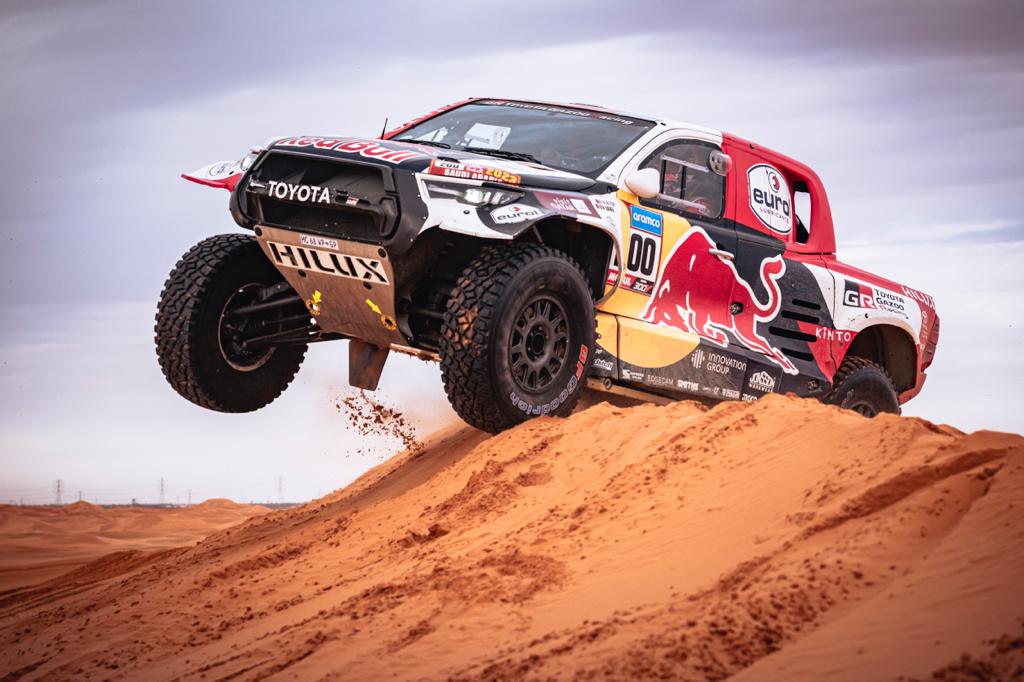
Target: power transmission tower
(60,492)
(161,492)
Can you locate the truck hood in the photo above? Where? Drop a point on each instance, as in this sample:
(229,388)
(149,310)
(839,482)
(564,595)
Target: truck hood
(453,163)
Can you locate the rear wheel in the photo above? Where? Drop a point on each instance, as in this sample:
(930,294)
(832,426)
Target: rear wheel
(219,303)
(517,337)
(864,387)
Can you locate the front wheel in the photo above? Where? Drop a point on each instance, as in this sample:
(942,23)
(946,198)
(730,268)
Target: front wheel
(221,306)
(864,387)
(517,337)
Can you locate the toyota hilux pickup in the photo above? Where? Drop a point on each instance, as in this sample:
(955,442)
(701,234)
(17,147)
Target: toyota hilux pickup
(535,248)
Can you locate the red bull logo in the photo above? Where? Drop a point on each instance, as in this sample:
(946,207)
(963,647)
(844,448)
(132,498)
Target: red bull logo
(698,292)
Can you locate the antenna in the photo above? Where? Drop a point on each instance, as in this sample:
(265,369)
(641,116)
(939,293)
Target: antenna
(60,492)
(385,128)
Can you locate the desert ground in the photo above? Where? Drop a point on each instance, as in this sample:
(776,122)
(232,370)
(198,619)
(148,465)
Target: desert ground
(776,540)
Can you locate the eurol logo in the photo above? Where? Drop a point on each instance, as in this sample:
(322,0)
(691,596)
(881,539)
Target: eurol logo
(770,198)
(642,219)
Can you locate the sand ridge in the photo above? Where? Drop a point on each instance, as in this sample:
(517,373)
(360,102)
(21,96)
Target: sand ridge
(782,539)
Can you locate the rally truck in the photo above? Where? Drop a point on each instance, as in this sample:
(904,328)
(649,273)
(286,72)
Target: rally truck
(534,249)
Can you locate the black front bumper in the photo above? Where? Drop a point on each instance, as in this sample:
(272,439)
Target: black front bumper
(370,203)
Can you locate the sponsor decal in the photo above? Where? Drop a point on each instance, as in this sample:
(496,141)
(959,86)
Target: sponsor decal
(630,375)
(388,322)
(697,292)
(337,264)
(224,169)
(566,204)
(691,386)
(658,380)
(318,242)
(582,113)
(465,171)
(643,219)
(761,381)
(352,201)
(918,296)
(730,393)
(574,381)
(857,295)
(644,253)
(604,364)
(313,303)
(605,206)
(305,193)
(716,363)
(770,198)
(827,334)
(515,213)
(370,150)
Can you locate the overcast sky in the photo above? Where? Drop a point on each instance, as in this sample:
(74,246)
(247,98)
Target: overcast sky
(910,112)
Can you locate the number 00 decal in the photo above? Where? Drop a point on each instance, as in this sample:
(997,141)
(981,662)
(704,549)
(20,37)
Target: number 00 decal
(642,262)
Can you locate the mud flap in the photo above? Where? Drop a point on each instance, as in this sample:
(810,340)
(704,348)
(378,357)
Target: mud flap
(365,364)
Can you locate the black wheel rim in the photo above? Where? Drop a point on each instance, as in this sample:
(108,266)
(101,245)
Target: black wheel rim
(540,343)
(232,331)
(864,408)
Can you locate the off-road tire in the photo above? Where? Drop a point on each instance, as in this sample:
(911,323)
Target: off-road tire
(865,387)
(188,321)
(480,322)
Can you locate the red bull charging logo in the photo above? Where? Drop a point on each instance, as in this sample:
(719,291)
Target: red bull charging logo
(697,292)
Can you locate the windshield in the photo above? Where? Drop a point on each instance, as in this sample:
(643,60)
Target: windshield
(576,140)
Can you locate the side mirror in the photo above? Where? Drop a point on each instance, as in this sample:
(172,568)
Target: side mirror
(644,183)
(720,163)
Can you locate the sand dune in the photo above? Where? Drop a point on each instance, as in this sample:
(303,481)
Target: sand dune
(41,542)
(782,539)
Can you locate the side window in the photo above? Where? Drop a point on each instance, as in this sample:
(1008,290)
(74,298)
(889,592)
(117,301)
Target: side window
(688,185)
(802,209)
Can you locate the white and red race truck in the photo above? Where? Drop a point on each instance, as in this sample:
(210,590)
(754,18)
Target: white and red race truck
(532,248)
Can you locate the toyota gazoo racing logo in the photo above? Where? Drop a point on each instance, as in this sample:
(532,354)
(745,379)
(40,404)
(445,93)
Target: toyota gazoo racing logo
(770,199)
(304,193)
(857,295)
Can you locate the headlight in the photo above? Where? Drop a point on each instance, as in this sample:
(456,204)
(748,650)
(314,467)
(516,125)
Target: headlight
(473,195)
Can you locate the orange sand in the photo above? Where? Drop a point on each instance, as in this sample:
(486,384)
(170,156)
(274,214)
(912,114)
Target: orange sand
(782,539)
(37,543)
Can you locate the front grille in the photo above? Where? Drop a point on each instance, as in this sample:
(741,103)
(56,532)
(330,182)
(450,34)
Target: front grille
(361,206)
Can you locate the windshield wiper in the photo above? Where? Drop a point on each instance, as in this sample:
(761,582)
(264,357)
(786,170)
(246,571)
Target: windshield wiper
(501,153)
(432,143)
